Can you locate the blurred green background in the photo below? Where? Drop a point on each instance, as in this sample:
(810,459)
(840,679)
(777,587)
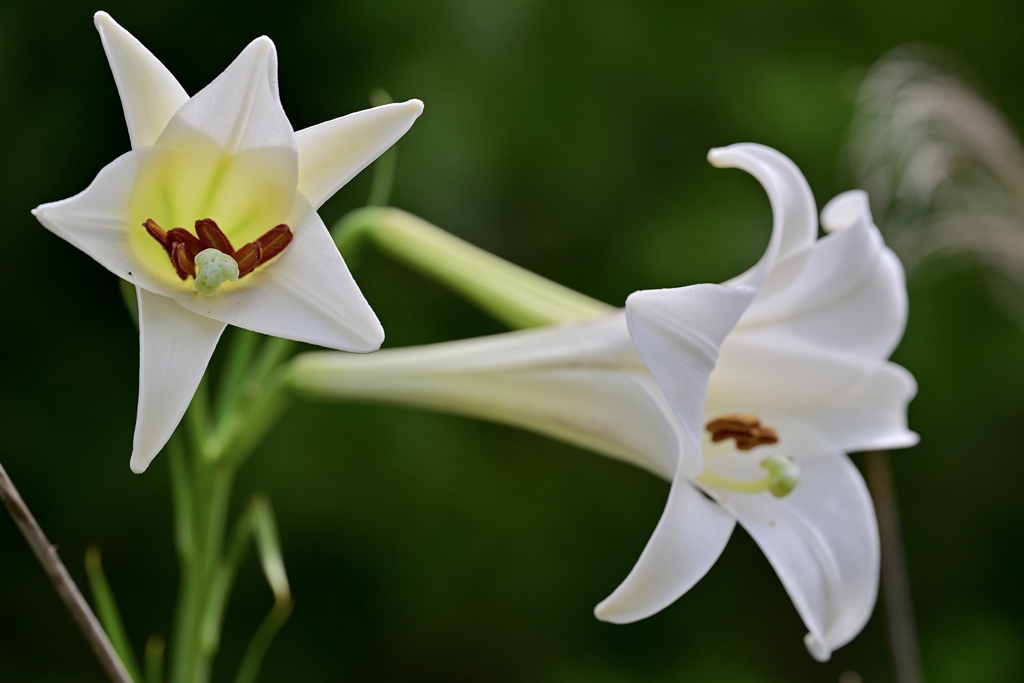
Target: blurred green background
(568,137)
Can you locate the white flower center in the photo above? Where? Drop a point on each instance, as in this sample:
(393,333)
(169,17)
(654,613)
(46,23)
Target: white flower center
(194,182)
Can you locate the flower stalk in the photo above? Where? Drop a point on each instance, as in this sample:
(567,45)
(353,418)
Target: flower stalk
(512,294)
(204,462)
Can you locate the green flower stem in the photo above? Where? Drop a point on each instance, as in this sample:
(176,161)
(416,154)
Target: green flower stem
(259,525)
(243,348)
(512,294)
(212,481)
(383,178)
(203,468)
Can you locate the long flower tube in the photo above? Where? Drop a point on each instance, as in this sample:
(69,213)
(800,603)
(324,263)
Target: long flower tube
(745,395)
(212,217)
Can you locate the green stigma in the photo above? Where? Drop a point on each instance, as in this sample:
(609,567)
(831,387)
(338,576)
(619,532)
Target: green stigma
(212,268)
(783,475)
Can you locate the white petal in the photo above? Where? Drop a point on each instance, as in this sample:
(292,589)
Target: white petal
(822,541)
(794,219)
(755,371)
(149,92)
(175,348)
(846,210)
(689,538)
(857,404)
(96,219)
(872,415)
(333,152)
(678,333)
(581,383)
(850,296)
(306,294)
(240,110)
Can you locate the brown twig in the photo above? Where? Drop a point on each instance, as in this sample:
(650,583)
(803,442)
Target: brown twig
(62,581)
(896,584)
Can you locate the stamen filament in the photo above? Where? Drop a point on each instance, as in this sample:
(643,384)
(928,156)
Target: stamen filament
(783,476)
(715,480)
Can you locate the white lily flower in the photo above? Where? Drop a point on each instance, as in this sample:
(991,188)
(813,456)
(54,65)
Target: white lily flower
(228,162)
(765,383)
(773,377)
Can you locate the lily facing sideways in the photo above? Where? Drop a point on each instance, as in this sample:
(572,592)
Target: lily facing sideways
(746,395)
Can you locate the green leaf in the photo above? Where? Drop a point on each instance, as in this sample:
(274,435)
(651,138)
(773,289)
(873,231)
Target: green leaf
(155,648)
(106,610)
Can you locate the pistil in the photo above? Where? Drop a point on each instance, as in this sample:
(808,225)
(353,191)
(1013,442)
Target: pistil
(748,433)
(213,267)
(783,476)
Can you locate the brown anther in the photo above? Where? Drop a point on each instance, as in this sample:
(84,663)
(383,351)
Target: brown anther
(274,241)
(746,430)
(192,244)
(157,233)
(269,245)
(248,257)
(183,262)
(212,237)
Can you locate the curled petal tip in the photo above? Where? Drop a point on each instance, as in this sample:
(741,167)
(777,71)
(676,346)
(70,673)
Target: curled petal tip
(724,157)
(714,154)
(845,210)
(102,17)
(817,649)
(730,156)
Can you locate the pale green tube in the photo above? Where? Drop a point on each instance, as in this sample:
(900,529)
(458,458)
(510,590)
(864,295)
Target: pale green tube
(514,295)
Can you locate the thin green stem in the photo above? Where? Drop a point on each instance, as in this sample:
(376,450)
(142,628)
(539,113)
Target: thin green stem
(197,418)
(383,178)
(192,656)
(253,398)
(181,494)
(253,658)
(386,164)
(155,659)
(243,347)
(109,614)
